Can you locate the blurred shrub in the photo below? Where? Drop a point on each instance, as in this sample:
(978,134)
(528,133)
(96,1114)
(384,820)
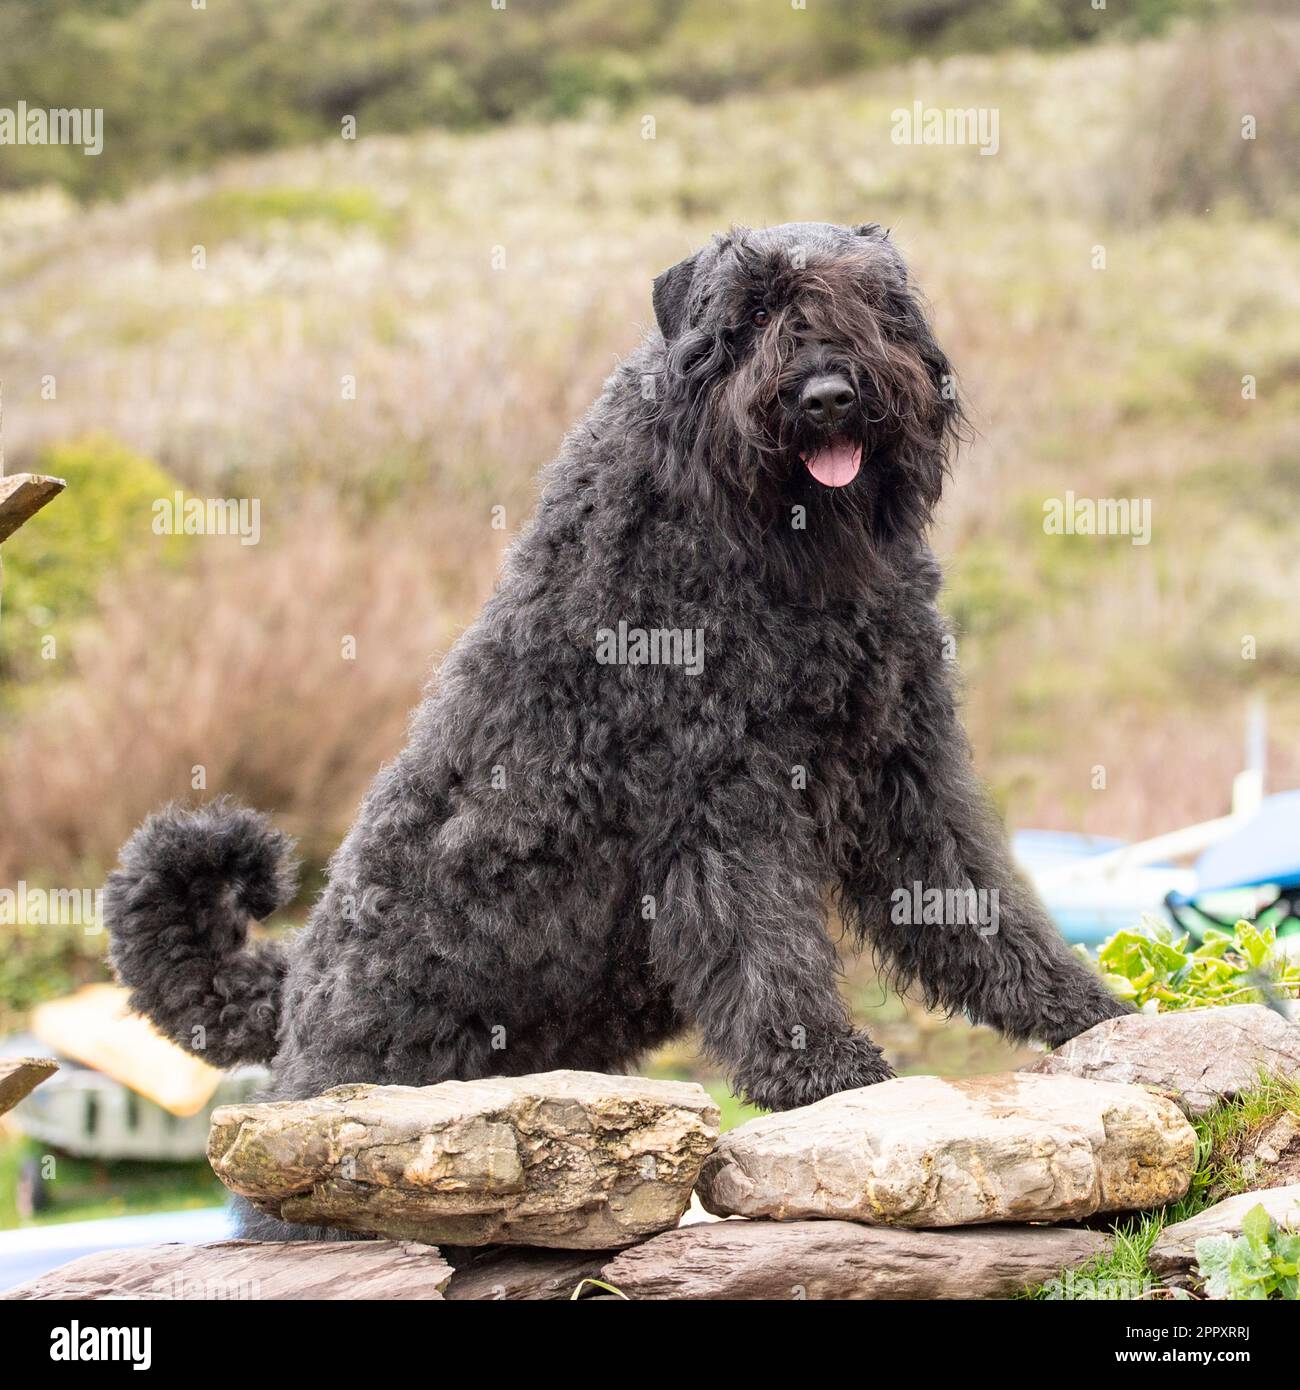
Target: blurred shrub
(284,672)
(182,87)
(44,962)
(1186,146)
(55,564)
(574,83)
(252,212)
(981,594)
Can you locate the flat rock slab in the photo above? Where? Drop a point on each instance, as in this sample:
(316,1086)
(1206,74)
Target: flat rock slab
(567,1159)
(19,1076)
(512,1274)
(845,1260)
(1202,1056)
(928,1151)
(250,1269)
(1173,1256)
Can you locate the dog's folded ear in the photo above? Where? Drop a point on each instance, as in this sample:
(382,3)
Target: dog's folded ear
(671,295)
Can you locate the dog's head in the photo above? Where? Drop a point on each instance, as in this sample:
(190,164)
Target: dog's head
(800,371)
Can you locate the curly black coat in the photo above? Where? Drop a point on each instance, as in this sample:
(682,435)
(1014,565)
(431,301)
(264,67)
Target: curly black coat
(593,841)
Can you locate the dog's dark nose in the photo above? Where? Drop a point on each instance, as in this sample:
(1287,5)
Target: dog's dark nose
(826,400)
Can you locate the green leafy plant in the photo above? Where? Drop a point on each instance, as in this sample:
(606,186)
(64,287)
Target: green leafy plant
(99,526)
(1262,1262)
(1154,968)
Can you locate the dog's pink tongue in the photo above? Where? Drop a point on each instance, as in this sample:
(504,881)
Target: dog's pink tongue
(836,464)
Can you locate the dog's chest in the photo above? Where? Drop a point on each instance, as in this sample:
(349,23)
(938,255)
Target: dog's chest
(821,675)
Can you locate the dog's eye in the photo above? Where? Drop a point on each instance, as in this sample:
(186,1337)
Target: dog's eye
(759,317)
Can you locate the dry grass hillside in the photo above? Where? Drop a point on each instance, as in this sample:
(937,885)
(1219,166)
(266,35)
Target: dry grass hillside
(478,288)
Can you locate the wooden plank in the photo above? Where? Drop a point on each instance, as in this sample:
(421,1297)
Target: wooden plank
(232,1270)
(21,1075)
(22,495)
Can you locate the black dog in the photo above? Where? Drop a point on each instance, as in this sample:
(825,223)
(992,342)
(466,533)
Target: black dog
(710,686)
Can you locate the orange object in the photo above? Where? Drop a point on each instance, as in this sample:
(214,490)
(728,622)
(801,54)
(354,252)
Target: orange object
(94,1027)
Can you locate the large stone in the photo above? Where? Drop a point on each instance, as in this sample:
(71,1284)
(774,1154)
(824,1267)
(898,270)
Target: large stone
(1202,1056)
(925,1151)
(21,1075)
(1173,1256)
(231,1270)
(845,1260)
(569,1159)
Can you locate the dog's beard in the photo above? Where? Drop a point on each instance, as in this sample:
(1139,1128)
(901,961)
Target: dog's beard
(767,460)
(819,511)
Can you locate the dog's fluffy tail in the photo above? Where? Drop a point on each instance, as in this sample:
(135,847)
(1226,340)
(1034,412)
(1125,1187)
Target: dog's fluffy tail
(178,908)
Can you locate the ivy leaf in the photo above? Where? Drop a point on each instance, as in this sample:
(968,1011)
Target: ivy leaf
(1213,1254)
(1256,1224)
(1260,1263)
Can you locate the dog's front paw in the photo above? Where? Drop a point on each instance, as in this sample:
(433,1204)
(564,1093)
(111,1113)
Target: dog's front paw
(801,1076)
(1076,1015)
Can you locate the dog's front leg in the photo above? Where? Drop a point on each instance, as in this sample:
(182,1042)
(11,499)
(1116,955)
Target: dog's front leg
(933,886)
(740,940)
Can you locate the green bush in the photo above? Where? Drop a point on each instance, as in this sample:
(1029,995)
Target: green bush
(180,88)
(982,596)
(44,962)
(575,82)
(54,565)
(254,212)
